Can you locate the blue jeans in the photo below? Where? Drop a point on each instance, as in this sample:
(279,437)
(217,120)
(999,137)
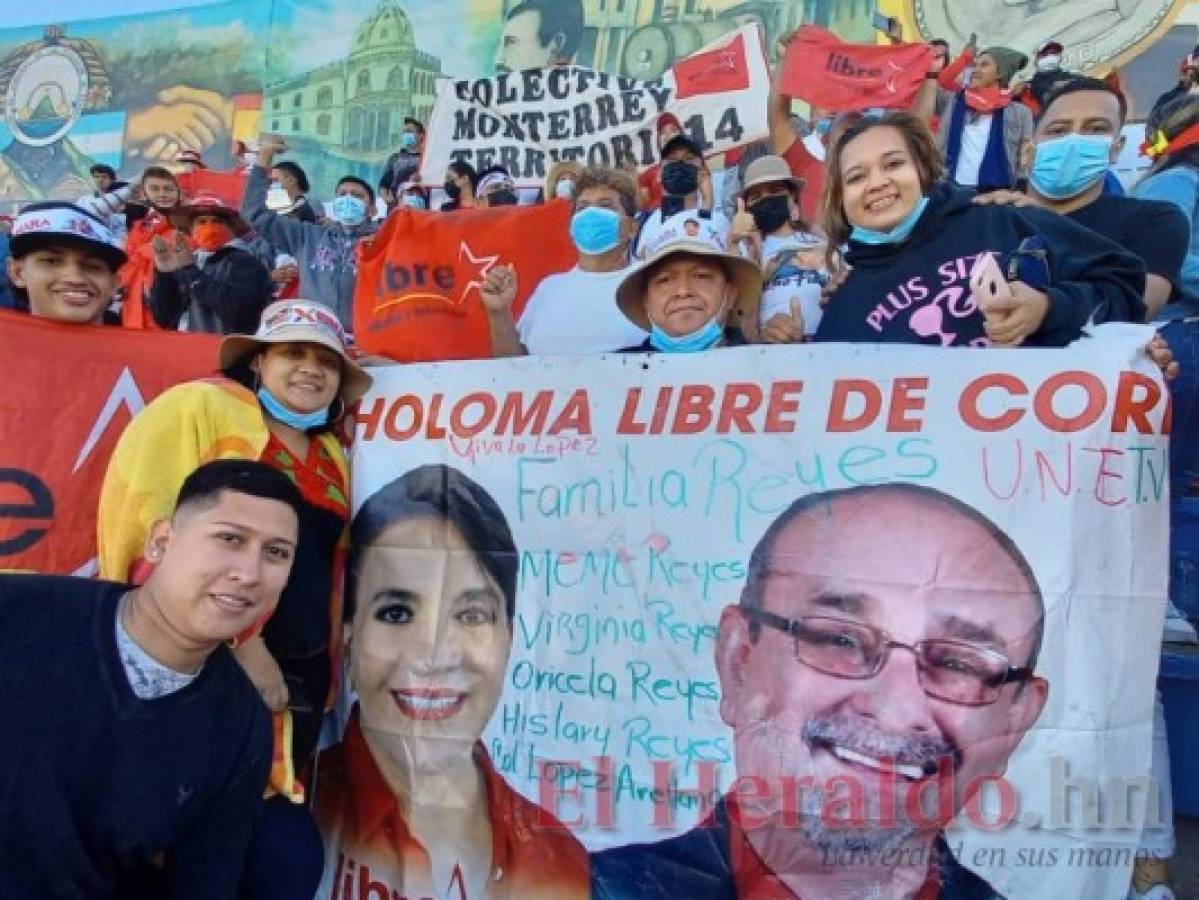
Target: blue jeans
(1182,334)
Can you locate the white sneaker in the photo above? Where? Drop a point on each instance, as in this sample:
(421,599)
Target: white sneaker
(1157,892)
(1177,630)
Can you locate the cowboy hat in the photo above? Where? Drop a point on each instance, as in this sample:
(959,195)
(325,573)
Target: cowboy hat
(206,204)
(299,322)
(698,234)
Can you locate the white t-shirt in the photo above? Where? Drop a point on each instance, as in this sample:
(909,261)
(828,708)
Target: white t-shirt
(974,147)
(576,312)
(800,272)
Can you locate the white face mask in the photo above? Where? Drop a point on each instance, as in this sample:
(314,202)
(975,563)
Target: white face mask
(1049,63)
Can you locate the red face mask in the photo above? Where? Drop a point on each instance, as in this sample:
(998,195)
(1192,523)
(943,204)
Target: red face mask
(987,100)
(212,236)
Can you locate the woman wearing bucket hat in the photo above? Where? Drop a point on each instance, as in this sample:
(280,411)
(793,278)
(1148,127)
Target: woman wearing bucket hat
(63,264)
(220,287)
(793,258)
(689,291)
(284,390)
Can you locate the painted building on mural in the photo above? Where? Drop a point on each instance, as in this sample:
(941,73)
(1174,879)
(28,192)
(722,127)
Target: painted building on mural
(358,104)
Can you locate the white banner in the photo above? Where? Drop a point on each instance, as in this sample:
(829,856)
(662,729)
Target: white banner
(888,616)
(526,121)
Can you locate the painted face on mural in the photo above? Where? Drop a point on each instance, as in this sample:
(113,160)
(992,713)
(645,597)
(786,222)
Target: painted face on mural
(521,46)
(861,570)
(430,642)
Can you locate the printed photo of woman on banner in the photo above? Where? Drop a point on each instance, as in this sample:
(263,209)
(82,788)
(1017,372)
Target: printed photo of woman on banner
(410,803)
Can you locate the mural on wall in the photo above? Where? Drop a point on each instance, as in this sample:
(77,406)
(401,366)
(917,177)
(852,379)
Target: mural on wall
(338,77)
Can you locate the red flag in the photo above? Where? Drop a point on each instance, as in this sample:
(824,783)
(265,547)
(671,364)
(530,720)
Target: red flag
(418,295)
(58,427)
(827,72)
(229,186)
(713,71)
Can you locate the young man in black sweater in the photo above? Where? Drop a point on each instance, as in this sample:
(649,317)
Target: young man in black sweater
(135,749)
(1077,138)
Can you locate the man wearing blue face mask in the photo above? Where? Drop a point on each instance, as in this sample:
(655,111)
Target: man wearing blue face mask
(1076,140)
(325,253)
(686,185)
(403,165)
(575,311)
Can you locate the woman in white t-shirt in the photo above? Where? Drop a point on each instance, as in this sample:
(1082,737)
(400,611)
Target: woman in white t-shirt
(574,311)
(793,257)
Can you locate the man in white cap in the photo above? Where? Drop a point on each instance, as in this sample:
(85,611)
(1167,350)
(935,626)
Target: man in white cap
(793,264)
(690,291)
(63,264)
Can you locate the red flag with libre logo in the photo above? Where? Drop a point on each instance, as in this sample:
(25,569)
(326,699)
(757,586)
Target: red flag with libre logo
(827,72)
(419,291)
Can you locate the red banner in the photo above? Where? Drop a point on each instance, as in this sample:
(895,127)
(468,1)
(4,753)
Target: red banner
(827,72)
(74,389)
(418,297)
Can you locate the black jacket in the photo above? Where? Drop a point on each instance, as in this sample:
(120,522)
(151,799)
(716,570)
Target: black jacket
(697,865)
(918,291)
(227,296)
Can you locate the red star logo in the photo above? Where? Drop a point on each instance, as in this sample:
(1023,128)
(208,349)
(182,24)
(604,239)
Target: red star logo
(483,264)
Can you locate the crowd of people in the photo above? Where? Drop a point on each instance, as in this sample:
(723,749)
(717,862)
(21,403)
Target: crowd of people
(834,229)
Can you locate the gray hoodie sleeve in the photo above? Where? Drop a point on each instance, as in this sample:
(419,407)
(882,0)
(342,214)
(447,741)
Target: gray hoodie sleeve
(285,234)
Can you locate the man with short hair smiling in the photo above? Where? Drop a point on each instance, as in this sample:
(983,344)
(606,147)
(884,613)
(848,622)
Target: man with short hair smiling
(858,655)
(64,264)
(1076,140)
(136,752)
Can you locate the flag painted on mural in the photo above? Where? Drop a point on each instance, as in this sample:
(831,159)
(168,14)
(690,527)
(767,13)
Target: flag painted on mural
(527,121)
(419,294)
(827,72)
(57,429)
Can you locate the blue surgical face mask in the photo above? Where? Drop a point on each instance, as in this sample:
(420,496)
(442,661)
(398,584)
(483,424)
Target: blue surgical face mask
(1065,167)
(408,140)
(299,421)
(595,230)
(349,210)
(415,201)
(705,337)
(896,235)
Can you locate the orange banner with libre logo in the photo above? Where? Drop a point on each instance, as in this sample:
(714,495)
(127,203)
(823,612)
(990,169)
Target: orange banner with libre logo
(75,389)
(419,294)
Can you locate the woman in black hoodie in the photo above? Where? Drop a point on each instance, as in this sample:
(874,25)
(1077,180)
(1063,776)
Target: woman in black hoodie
(913,240)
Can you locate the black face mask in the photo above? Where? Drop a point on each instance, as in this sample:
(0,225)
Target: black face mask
(452,191)
(679,178)
(771,213)
(501,198)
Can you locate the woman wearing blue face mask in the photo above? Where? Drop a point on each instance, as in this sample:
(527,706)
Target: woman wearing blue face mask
(913,239)
(325,251)
(575,311)
(690,291)
(285,390)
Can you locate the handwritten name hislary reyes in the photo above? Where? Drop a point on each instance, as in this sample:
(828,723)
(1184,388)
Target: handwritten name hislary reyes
(1063,402)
